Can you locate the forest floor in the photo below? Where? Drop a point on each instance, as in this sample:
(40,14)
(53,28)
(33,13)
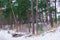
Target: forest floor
(48,35)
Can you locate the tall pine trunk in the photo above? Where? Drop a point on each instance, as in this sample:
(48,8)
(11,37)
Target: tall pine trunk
(0,15)
(37,16)
(55,13)
(32,18)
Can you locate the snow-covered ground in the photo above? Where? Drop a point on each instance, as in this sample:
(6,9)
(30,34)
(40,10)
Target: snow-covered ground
(4,35)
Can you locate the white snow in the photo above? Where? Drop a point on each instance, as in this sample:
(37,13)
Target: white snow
(4,35)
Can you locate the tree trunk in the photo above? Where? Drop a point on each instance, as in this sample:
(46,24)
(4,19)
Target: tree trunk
(55,13)
(32,18)
(0,8)
(0,15)
(13,15)
(46,18)
(37,16)
(49,13)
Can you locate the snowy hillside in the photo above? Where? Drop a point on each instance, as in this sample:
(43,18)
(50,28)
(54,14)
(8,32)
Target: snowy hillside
(4,35)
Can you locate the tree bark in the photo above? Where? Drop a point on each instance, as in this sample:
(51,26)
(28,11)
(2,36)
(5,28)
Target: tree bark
(55,13)
(46,18)
(37,16)
(0,15)
(32,18)
(49,13)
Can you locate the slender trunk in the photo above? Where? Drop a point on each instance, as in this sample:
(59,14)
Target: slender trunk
(32,18)
(0,8)
(29,27)
(49,13)
(13,15)
(0,15)
(46,18)
(37,16)
(55,13)
(20,26)
(51,20)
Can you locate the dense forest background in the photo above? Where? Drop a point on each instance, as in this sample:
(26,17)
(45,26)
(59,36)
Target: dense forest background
(35,15)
